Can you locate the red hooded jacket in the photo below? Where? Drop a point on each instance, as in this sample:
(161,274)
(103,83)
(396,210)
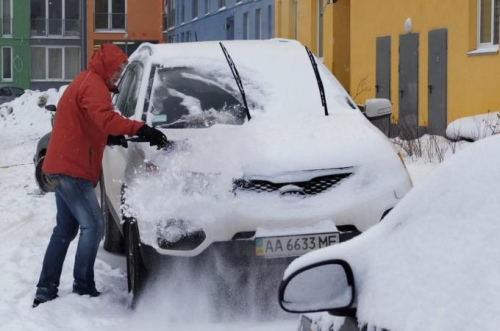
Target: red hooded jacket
(85,117)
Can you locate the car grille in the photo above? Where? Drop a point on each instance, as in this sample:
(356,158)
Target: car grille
(314,186)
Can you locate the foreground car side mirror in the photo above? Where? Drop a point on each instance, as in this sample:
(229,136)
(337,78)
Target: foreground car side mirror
(377,108)
(325,286)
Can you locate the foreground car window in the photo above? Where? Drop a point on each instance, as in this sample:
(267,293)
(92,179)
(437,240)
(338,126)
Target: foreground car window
(184,97)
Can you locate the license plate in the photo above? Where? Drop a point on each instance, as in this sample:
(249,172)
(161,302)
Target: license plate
(274,247)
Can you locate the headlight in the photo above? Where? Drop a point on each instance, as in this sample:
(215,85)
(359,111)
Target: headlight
(179,234)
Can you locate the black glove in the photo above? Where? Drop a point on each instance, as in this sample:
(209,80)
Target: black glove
(154,136)
(117,141)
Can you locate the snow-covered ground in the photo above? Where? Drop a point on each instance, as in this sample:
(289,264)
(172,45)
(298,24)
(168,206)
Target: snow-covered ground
(27,219)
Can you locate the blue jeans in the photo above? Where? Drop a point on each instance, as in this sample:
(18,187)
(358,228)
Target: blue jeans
(77,207)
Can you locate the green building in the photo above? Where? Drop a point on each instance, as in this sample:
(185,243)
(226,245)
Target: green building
(15,55)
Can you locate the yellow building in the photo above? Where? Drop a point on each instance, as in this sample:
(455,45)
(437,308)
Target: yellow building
(436,60)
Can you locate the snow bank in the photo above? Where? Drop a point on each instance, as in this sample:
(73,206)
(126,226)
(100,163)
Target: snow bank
(27,113)
(474,127)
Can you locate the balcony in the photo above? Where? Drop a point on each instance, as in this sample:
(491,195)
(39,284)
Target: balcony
(5,27)
(110,22)
(55,27)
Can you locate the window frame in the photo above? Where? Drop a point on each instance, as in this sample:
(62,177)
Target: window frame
(194,10)
(207,7)
(2,34)
(46,18)
(170,14)
(11,78)
(491,44)
(222,4)
(246,26)
(63,63)
(110,20)
(258,23)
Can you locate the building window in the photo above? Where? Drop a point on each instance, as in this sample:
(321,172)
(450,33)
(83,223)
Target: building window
(222,3)
(488,15)
(55,63)
(170,14)
(194,8)
(7,64)
(110,15)
(183,11)
(207,6)
(246,23)
(269,21)
(258,22)
(55,18)
(6,17)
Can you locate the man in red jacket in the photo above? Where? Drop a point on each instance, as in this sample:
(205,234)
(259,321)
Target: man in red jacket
(85,118)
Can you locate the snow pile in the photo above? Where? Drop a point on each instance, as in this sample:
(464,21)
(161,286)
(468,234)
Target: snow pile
(27,113)
(474,127)
(431,263)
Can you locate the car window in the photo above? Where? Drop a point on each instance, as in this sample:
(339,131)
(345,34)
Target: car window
(17,91)
(185,97)
(5,91)
(129,90)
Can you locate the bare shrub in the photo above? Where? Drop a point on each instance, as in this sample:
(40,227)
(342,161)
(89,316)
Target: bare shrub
(409,137)
(362,87)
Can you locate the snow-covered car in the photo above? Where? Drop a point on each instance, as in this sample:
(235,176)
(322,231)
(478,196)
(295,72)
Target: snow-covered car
(9,93)
(269,157)
(430,265)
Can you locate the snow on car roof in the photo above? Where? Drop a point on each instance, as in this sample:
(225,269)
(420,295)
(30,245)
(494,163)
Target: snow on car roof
(278,70)
(432,263)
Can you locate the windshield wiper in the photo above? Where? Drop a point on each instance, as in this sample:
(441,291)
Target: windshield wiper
(318,79)
(237,78)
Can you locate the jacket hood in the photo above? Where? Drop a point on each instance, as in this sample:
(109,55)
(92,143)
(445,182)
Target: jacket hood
(106,60)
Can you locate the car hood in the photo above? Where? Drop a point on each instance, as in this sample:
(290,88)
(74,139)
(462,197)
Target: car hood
(268,146)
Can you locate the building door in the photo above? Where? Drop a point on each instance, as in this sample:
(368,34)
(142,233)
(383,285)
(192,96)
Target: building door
(229,27)
(408,86)
(383,78)
(437,88)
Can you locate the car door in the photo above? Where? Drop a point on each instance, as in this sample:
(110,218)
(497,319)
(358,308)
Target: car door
(115,160)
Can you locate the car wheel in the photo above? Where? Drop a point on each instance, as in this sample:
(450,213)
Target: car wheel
(114,242)
(135,267)
(41,179)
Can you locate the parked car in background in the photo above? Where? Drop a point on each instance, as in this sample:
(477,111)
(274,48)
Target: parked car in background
(430,265)
(269,158)
(42,180)
(9,93)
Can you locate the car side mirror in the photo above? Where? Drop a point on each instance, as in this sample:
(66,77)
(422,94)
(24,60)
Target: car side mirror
(325,286)
(51,108)
(377,108)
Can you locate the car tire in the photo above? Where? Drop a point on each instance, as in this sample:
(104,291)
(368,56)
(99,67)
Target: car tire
(114,242)
(42,179)
(135,266)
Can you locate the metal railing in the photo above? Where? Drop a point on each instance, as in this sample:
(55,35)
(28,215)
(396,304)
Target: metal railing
(6,27)
(106,21)
(55,27)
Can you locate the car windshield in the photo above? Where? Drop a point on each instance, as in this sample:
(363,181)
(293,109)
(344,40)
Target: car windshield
(187,97)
